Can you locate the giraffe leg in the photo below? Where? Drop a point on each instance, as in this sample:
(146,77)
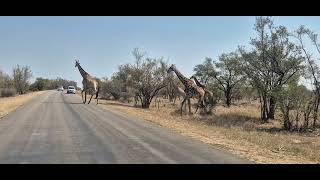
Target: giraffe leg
(189,104)
(199,102)
(82,95)
(197,106)
(90,99)
(184,100)
(85,97)
(185,107)
(97,100)
(97,94)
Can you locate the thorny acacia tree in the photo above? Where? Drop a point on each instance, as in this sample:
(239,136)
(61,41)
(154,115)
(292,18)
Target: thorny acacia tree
(225,72)
(147,76)
(228,75)
(205,71)
(313,72)
(118,84)
(294,101)
(273,61)
(21,77)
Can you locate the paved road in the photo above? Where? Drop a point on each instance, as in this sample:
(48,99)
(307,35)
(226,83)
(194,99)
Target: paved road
(58,128)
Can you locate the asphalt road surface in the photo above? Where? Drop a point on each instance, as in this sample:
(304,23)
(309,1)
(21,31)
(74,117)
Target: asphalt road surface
(57,128)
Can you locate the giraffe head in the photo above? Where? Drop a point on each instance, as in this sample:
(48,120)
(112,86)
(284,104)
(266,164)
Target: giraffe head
(171,68)
(77,63)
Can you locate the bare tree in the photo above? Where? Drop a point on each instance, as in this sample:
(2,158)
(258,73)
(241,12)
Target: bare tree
(6,85)
(21,77)
(7,81)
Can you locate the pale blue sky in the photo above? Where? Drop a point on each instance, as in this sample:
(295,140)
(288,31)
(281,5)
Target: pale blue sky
(49,45)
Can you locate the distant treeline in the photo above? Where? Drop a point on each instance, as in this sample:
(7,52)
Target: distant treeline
(19,82)
(47,84)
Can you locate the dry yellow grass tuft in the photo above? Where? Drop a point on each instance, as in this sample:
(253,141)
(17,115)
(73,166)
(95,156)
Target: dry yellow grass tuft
(236,129)
(9,104)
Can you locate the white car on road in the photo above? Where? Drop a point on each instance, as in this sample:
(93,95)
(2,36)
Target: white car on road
(71,90)
(60,88)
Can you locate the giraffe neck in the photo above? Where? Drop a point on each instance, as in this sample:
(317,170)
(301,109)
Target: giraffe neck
(197,82)
(83,73)
(181,77)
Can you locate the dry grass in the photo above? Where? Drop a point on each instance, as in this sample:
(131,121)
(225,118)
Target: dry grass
(9,104)
(236,129)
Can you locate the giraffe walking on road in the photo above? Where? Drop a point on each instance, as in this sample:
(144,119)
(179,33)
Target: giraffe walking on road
(89,83)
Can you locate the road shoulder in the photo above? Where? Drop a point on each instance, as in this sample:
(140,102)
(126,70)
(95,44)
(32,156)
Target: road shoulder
(217,137)
(11,104)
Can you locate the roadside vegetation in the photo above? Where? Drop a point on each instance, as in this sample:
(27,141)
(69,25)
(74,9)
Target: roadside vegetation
(15,90)
(269,70)
(262,109)
(19,83)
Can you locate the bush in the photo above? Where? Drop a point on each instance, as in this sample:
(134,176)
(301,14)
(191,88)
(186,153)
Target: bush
(21,77)
(8,92)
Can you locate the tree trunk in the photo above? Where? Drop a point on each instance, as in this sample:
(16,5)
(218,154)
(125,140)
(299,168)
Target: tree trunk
(228,97)
(171,96)
(286,119)
(287,124)
(315,111)
(136,100)
(145,104)
(297,118)
(146,101)
(264,108)
(306,114)
(272,107)
(306,120)
(155,102)
(141,101)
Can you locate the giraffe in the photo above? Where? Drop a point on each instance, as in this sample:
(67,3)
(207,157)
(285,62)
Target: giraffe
(191,89)
(179,91)
(89,83)
(208,97)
